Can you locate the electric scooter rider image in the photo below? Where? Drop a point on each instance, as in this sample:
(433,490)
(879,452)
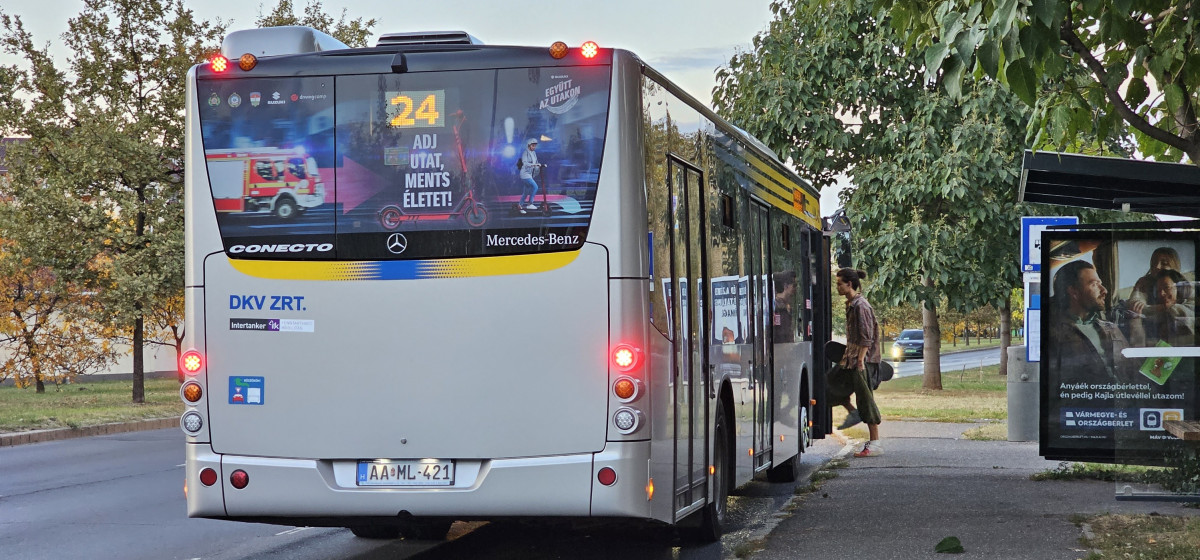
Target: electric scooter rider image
(529,169)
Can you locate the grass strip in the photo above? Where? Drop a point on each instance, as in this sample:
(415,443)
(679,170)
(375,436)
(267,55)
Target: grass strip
(85,403)
(1146,537)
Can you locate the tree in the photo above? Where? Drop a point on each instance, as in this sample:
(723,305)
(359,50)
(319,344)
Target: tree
(353,33)
(50,335)
(1140,58)
(104,165)
(933,206)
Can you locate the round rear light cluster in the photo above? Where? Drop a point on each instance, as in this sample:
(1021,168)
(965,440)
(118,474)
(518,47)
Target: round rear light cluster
(191,422)
(191,391)
(208,476)
(606,476)
(625,389)
(239,479)
(626,420)
(191,362)
(626,357)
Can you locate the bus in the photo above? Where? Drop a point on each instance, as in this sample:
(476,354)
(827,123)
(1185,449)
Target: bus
(439,340)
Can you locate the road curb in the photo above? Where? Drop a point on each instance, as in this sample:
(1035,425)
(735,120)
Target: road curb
(39,436)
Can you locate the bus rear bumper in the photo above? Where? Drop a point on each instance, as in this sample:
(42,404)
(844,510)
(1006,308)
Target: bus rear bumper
(309,489)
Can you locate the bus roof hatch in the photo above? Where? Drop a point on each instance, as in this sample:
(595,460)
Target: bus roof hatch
(275,41)
(428,38)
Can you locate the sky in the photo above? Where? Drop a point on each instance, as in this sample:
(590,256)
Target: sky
(686,40)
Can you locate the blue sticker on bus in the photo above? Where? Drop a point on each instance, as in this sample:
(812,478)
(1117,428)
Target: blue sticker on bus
(247,390)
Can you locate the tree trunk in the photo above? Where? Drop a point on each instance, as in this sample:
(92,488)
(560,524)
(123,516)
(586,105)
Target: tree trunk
(139,324)
(139,369)
(1005,334)
(932,378)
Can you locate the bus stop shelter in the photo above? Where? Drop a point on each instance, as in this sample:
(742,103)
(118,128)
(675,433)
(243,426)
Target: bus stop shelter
(1110,183)
(1118,367)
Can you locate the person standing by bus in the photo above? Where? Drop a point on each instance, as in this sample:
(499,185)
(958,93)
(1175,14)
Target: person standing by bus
(529,169)
(860,362)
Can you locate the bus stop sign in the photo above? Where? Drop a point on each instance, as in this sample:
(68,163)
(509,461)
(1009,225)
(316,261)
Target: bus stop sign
(1031,238)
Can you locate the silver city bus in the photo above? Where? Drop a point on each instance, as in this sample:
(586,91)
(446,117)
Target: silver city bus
(627,325)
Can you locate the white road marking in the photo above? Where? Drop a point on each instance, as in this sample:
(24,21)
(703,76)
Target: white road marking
(292,531)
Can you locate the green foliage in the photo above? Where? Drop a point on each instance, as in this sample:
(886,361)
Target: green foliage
(1071,61)
(354,33)
(932,208)
(1143,536)
(949,545)
(96,193)
(1067,470)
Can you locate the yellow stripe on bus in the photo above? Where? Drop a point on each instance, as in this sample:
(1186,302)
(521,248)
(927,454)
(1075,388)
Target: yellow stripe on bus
(404,270)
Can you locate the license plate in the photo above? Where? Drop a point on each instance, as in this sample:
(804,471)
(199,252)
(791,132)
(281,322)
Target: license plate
(405,472)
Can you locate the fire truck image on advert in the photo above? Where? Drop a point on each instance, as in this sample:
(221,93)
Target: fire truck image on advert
(282,181)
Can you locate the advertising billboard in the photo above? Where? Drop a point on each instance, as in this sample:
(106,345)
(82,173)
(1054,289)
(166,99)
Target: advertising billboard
(1118,345)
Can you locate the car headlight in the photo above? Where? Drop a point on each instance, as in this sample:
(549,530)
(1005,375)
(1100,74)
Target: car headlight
(896,350)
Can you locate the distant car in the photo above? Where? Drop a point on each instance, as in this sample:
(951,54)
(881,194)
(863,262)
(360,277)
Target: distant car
(910,344)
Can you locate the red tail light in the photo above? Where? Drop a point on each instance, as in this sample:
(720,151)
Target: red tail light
(239,479)
(208,477)
(589,49)
(191,362)
(606,476)
(219,63)
(626,357)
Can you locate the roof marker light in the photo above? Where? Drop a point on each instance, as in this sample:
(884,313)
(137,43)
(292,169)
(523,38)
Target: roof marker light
(590,49)
(219,63)
(247,62)
(558,50)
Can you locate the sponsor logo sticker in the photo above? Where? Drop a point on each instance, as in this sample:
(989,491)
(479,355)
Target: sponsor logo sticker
(273,325)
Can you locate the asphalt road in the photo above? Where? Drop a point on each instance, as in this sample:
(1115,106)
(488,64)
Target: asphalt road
(951,363)
(121,497)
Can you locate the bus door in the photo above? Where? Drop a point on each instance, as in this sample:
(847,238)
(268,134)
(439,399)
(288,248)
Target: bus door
(761,296)
(688,295)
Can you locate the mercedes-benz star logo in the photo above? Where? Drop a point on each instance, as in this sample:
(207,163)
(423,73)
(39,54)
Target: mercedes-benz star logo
(397,243)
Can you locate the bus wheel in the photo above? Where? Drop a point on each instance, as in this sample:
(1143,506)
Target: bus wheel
(426,529)
(376,531)
(285,208)
(476,215)
(713,515)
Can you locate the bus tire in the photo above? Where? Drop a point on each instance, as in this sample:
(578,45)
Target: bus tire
(426,529)
(712,518)
(285,208)
(376,531)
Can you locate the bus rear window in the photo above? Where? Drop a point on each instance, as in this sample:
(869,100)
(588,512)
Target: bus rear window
(459,164)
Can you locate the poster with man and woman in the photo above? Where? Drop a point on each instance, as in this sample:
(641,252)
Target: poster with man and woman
(1118,344)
